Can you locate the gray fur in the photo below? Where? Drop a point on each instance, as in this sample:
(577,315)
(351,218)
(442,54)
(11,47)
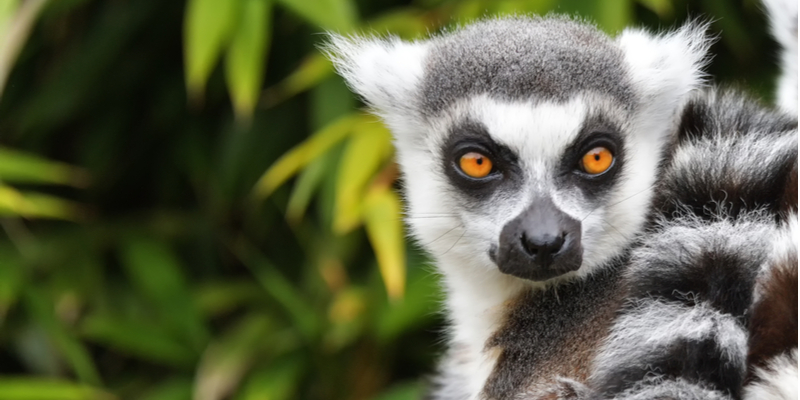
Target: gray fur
(524,58)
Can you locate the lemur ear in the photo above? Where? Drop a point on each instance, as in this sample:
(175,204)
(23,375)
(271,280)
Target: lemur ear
(385,72)
(666,68)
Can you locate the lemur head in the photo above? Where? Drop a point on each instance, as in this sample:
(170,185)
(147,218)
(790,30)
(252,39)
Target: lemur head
(527,145)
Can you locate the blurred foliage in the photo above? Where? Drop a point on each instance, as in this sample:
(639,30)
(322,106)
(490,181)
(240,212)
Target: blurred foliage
(183,189)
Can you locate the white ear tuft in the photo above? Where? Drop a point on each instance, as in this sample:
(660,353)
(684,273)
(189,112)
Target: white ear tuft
(385,72)
(666,68)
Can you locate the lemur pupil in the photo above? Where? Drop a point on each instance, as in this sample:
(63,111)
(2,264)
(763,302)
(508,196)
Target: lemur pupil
(597,157)
(479,161)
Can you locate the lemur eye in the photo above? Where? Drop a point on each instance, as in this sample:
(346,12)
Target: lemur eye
(597,160)
(475,165)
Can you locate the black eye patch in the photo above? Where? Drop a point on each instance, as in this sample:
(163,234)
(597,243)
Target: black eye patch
(597,131)
(472,137)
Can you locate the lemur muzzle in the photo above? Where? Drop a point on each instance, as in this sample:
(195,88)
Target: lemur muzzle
(541,243)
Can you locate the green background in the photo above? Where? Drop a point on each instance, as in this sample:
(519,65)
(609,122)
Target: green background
(144,252)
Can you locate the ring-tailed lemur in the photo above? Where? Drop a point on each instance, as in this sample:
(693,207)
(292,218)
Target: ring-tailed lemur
(521,141)
(529,149)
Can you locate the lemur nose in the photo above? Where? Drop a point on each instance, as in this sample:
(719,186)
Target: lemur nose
(542,246)
(540,243)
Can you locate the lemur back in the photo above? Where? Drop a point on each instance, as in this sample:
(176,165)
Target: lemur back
(529,149)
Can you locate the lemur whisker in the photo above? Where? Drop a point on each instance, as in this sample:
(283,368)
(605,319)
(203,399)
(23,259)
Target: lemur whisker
(456,242)
(444,234)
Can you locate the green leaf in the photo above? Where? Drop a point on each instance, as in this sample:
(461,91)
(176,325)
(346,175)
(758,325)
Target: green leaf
(20,167)
(34,205)
(281,289)
(419,305)
(173,389)
(219,297)
(246,56)
(315,69)
(406,23)
(363,155)
(139,339)
(730,23)
(404,391)
(337,15)
(663,8)
(73,351)
(207,27)
(25,388)
(385,232)
(156,272)
(346,314)
(278,381)
(228,359)
(307,183)
(7,10)
(614,15)
(15,26)
(296,158)
(11,278)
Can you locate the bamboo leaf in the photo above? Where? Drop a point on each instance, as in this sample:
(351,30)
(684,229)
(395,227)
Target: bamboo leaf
(73,351)
(614,15)
(127,336)
(364,153)
(219,297)
(7,10)
(34,205)
(296,158)
(207,27)
(404,391)
(280,288)
(315,69)
(338,15)
(228,359)
(11,279)
(246,56)
(25,388)
(418,306)
(20,167)
(307,183)
(277,381)
(155,270)
(346,314)
(663,8)
(173,389)
(385,232)
(14,31)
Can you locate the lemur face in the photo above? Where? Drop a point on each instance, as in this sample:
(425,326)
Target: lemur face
(528,146)
(532,182)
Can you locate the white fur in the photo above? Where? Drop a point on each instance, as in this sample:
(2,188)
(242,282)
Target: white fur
(783,21)
(778,380)
(385,72)
(653,325)
(665,68)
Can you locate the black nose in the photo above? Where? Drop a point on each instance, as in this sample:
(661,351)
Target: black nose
(542,245)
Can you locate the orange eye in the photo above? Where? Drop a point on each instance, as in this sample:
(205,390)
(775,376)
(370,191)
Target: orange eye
(597,160)
(475,165)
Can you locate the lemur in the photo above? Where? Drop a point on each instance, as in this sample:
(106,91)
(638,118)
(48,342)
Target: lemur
(529,148)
